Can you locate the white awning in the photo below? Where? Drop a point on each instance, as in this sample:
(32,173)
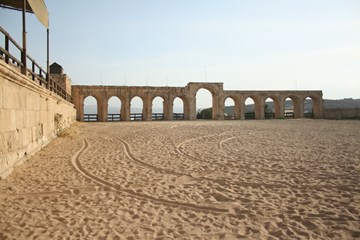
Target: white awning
(40,10)
(34,6)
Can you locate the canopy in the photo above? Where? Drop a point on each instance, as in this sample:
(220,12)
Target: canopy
(34,6)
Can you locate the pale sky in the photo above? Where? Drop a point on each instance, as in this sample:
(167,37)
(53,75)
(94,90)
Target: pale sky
(247,45)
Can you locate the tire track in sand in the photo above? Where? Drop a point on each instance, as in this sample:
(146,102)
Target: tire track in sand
(75,161)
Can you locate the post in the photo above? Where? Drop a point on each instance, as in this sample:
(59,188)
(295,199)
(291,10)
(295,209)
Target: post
(23,53)
(47,60)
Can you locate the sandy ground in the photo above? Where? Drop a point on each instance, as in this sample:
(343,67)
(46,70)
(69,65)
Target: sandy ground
(270,179)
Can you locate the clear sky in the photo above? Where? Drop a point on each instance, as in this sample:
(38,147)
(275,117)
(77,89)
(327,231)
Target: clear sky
(247,45)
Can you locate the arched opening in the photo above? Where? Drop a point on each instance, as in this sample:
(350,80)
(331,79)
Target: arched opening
(229,109)
(289,111)
(136,109)
(249,108)
(114,109)
(204,104)
(309,108)
(269,108)
(90,109)
(178,109)
(158,108)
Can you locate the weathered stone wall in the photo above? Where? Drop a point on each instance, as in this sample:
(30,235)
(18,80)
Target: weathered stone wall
(352,113)
(30,116)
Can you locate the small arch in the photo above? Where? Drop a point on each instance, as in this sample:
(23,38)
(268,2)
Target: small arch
(204,107)
(269,108)
(289,107)
(158,108)
(136,109)
(310,110)
(114,109)
(90,109)
(250,107)
(229,108)
(178,109)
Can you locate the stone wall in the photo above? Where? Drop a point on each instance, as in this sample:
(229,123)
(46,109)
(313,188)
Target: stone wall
(352,113)
(30,117)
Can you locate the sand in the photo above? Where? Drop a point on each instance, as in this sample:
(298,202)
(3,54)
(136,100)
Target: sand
(269,179)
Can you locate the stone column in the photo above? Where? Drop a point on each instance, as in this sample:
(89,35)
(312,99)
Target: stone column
(125,109)
(168,108)
(191,108)
(242,107)
(218,108)
(102,110)
(147,108)
(298,108)
(237,105)
(261,108)
(277,107)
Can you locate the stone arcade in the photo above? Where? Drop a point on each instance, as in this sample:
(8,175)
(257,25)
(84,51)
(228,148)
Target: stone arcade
(188,95)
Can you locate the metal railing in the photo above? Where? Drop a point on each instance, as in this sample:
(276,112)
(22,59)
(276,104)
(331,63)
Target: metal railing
(136,116)
(269,115)
(289,115)
(90,117)
(250,115)
(36,73)
(178,116)
(114,117)
(157,116)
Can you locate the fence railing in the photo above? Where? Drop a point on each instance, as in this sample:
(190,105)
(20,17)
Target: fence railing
(136,116)
(36,73)
(289,115)
(114,117)
(178,116)
(250,115)
(157,116)
(90,117)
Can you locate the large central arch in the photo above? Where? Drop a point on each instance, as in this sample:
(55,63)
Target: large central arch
(188,96)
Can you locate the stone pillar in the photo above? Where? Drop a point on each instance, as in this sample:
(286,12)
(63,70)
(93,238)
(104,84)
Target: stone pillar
(261,108)
(237,105)
(125,109)
(242,107)
(102,110)
(147,108)
(218,108)
(277,107)
(318,106)
(298,108)
(191,108)
(282,106)
(168,108)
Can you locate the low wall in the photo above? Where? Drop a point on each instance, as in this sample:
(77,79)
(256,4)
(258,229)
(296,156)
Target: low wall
(351,113)
(30,117)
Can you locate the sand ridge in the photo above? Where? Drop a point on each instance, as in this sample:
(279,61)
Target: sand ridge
(277,179)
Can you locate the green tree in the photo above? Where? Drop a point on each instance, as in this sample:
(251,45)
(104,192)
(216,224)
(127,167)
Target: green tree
(204,113)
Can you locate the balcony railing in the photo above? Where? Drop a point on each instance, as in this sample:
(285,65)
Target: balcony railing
(11,52)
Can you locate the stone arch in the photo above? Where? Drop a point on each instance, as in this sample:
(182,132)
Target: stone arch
(202,91)
(90,113)
(178,114)
(296,108)
(230,108)
(216,89)
(135,112)
(114,106)
(256,112)
(316,106)
(276,106)
(158,115)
